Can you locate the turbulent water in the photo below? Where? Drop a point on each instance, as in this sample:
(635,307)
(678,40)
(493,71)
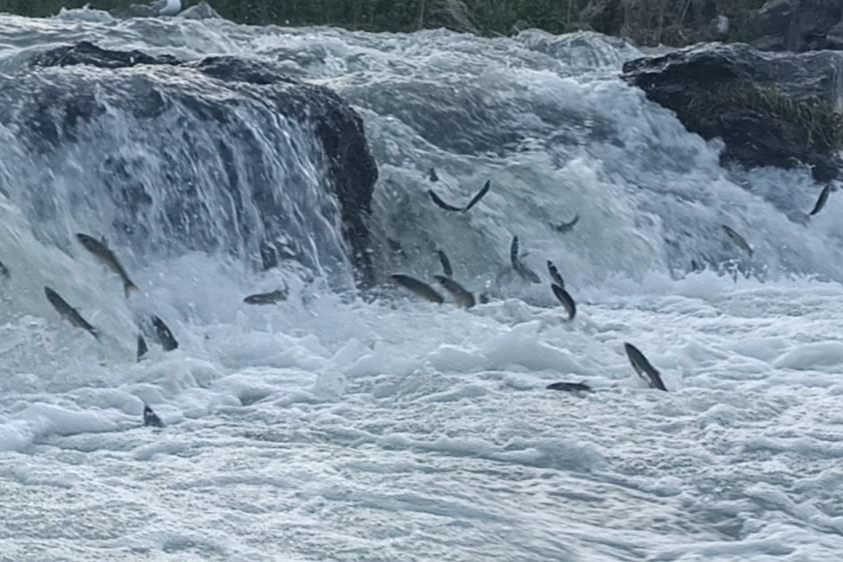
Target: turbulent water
(339,426)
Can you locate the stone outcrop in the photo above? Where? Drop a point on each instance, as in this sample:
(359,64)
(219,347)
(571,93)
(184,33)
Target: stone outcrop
(770,109)
(231,133)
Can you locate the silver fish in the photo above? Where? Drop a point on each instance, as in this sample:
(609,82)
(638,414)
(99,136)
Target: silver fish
(823,199)
(520,268)
(566,226)
(566,300)
(462,297)
(570,386)
(150,418)
(272,297)
(100,249)
(738,240)
(446,263)
(554,274)
(69,313)
(420,288)
(642,366)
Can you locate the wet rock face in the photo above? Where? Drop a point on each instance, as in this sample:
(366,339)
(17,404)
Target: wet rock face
(694,82)
(226,112)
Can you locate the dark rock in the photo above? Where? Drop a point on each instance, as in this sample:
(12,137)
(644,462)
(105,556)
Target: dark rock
(212,141)
(793,25)
(689,79)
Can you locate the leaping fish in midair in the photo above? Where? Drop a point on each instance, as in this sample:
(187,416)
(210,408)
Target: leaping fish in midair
(101,250)
(823,199)
(69,313)
(446,263)
(420,288)
(462,297)
(474,200)
(566,226)
(519,267)
(739,240)
(642,366)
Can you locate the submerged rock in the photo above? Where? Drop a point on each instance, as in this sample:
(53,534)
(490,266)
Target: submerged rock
(770,109)
(220,154)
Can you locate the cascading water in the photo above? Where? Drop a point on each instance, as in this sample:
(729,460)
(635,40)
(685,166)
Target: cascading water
(331,427)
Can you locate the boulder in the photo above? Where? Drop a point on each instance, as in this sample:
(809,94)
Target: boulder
(221,154)
(755,101)
(794,25)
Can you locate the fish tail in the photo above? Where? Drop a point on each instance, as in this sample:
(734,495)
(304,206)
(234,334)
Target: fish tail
(128,287)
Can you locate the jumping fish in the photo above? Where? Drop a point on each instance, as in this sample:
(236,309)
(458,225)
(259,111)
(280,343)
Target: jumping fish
(642,366)
(431,174)
(474,200)
(739,240)
(69,313)
(570,386)
(441,204)
(483,191)
(519,267)
(163,334)
(100,249)
(566,226)
(142,347)
(150,418)
(566,300)
(462,297)
(4,271)
(272,297)
(446,263)
(554,274)
(420,288)
(823,199)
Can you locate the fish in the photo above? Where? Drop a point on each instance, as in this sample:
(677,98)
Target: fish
(142,347)
(446,263)
(519,267)
(150,418)
(441,204)
(566,300)
(100,249)
(4,271)
(554,274)
(420,288)
(462,297)
(738,240)
(566,226)
(69,313)
(642,366)
(432,175)
(273,297)
(570,387)
(823,199)
(474,200)
(163,334)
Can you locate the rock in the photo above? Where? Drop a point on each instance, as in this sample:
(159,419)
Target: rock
(220,154)
(701,84)
(793,25)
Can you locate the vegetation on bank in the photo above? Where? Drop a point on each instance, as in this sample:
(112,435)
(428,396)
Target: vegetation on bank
(673,22)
